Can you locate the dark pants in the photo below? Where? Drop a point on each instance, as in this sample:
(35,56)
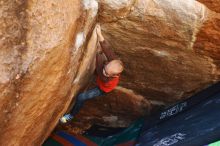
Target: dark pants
(81,98)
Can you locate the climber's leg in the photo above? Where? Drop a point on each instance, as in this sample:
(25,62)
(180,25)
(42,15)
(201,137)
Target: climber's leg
(81,98)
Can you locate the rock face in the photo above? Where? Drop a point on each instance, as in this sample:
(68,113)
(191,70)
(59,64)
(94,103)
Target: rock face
(170,49)
(43,44)
(212,4)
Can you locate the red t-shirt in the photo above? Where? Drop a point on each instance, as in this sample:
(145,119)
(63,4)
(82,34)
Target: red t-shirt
(107,86)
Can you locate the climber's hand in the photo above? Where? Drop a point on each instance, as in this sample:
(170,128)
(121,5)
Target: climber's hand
(98,29)
(99,32)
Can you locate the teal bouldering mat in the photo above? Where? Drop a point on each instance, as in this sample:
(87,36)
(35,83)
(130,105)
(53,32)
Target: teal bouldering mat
(217,143)
(126,137)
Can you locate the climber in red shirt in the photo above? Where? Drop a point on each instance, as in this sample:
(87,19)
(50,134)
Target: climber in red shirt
(108,69)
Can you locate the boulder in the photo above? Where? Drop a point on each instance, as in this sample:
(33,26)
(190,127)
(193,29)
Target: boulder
(170,49)
(43,44)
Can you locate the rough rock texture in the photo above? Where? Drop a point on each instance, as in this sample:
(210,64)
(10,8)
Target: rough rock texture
(170,49)
(156,39)
(207,42)
(42,64)
(212,4)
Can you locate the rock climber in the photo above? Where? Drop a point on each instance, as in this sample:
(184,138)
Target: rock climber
(108,70)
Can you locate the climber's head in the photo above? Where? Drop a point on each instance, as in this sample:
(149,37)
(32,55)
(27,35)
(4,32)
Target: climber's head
(113,68)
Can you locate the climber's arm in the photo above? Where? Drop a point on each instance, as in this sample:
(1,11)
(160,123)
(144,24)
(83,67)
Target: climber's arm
(99,66)
(106,47)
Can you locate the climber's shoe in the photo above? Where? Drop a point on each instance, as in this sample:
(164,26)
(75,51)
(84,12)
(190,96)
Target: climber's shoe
(66,119)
